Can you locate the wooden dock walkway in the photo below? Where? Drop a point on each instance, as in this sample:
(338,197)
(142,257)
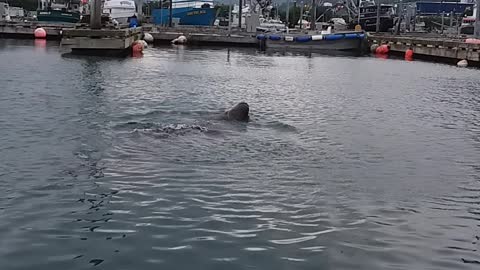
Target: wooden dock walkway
(100,41)
(204,36)
(434,48)
(26,29)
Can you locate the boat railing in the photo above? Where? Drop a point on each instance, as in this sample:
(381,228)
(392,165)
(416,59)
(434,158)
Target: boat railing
(190,3)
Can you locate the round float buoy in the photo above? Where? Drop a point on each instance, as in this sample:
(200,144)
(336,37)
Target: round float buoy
(409,53)
(462,63)
(144,43)
(374,47)
(40,33)
(137,54)
(382,49)
(381,56)
(472,41)
(148,37)
(180,40)
(137,47)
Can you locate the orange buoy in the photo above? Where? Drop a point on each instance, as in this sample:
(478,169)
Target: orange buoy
(137,47)
(381,56)
(382,49)
(40,33)
(137,54)
(409,54)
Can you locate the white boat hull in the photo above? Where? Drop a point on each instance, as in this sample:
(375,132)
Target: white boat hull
(120,10)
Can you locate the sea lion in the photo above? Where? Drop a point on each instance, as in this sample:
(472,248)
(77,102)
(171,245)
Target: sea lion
(239,112)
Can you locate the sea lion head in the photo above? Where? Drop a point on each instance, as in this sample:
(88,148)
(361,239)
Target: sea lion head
(239,112)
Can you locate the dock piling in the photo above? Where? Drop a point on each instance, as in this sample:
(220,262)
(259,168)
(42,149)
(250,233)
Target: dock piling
(240,6)
(477,21)
(95,16)
(377,29)
(313,15)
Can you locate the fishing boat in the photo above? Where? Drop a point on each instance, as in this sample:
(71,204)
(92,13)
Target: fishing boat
(323,41)
(468,23)
(368,16)
(119,10)
(187,12)
(271,25)
(50,11)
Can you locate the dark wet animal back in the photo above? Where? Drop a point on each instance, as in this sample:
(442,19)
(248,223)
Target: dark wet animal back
(239,112)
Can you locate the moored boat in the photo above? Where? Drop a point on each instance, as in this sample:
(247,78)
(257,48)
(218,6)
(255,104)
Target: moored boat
(49,11)
(200,13)
(119,10)
(341,41)
(468,23)
(368,16)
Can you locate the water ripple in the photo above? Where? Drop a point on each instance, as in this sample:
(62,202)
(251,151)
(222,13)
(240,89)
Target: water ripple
(125,163)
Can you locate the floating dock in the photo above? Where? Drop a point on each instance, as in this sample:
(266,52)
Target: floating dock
(26,29)
(204,36)
(442,49)
(100,41)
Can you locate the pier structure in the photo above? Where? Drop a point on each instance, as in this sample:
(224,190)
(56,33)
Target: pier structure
(203,36)
(109,42)
(26,29)
(431,48)
(95,39)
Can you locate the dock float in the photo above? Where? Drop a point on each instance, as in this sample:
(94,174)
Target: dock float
(107,42)
(431,48)
(26,29)
(204,36)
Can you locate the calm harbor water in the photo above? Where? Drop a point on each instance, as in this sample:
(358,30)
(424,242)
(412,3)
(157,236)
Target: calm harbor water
(348,163)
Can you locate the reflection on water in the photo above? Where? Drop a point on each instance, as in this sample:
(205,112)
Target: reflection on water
(348,163)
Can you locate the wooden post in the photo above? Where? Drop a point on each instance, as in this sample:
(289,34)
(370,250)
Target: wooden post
(139,9)
(240,6)
(230,18)
(301,14)
(476,32)
(358,22)
(414,18)
(443,21)
(95,14)
(161,13)
(313,15)
(408,17)
(170,13)
(379,7)
(451,19)
(400,15)
(288,14)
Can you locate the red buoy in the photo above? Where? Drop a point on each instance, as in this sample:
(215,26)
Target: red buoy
(382,49)
(137,47)
(409,54)
(40,33)
(381,56)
